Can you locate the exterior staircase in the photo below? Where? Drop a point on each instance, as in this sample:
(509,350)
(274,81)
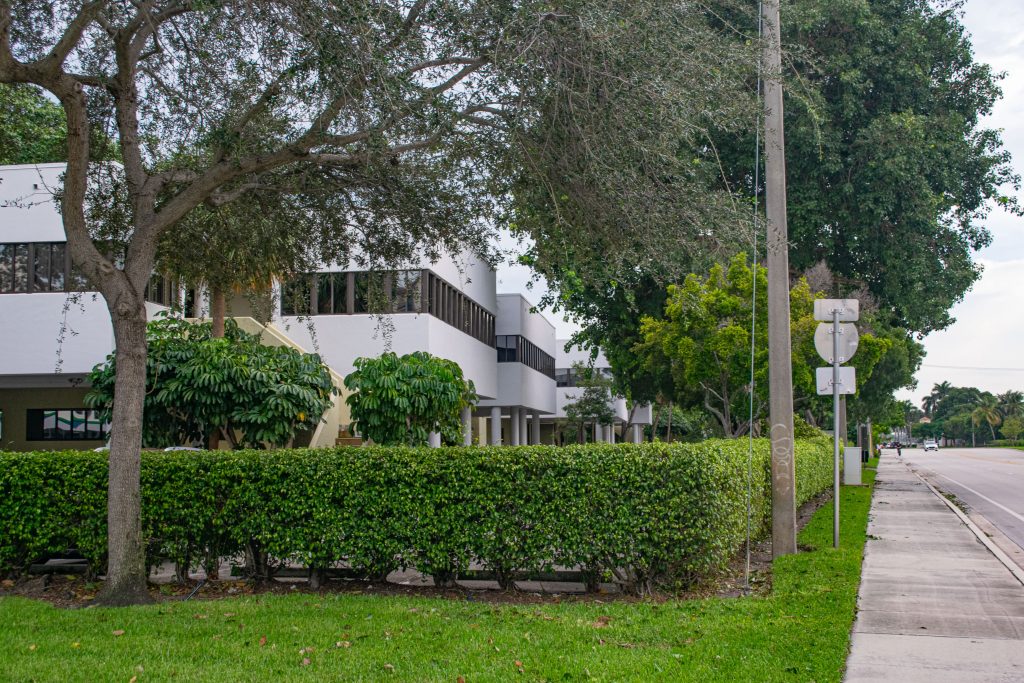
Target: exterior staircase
(345,438)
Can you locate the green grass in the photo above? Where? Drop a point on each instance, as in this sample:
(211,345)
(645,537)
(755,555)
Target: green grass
(798,633)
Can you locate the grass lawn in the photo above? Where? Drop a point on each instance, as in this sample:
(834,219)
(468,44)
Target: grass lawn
(799,633)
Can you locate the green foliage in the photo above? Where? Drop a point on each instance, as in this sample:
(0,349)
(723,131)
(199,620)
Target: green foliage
(399,400)
(649,512)
(890,167)
(592,403)
(250,394)
(32,127)
(1012,427)
(800,630)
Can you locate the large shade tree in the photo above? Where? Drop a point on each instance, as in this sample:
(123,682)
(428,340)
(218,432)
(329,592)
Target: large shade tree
(408,116)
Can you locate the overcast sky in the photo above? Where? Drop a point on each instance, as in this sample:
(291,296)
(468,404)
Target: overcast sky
(984,347)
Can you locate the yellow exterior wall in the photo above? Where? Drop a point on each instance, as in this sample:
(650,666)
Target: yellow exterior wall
(14,403)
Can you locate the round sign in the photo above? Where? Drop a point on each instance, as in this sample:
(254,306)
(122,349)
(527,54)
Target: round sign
(848,339)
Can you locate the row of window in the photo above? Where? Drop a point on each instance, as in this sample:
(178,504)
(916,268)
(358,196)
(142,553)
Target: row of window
(402,291)
(45,424)
(515,348)
(568,377)
(37,267)
(455,308)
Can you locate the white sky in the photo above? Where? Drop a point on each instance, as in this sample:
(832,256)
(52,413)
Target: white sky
(983,348)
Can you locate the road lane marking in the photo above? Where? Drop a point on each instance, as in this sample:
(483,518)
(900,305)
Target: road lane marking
(982,495)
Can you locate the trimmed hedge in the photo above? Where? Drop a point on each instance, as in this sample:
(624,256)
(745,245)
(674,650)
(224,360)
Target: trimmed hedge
(641,513)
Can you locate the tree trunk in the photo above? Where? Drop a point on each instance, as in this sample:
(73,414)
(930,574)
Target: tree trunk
(126,552)
(218,311)
(668,432)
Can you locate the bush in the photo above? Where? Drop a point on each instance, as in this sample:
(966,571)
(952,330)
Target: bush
(643,513)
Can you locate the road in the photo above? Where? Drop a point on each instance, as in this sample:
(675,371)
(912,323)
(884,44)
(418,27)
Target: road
(989,480)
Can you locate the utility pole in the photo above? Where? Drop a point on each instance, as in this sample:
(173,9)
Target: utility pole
(780,363)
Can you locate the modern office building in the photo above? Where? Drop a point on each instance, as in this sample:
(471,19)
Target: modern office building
(52,333)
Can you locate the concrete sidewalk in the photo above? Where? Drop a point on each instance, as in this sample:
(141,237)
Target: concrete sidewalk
(935,604)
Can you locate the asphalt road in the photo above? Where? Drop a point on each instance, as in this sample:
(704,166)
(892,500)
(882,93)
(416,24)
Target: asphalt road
(989,480)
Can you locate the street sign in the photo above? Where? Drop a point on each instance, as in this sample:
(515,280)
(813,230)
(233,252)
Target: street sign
(849,309)
(848,340)
(847,380)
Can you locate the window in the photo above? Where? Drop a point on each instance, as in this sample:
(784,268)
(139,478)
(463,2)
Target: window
(295,296)
(514,348)
(64,424)
(35,267)
(406,291)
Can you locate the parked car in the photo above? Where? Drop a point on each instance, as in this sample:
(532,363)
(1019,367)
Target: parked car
(930,445)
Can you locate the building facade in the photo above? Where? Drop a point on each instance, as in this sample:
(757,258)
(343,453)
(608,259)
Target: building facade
(53,332)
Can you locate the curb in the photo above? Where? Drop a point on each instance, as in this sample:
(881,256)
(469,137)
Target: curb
(1017,572)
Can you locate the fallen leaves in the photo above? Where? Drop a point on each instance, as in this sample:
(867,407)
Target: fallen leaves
(602,621)
(118,633)
(390,667)
(263,641)
(306,661)
(343,643)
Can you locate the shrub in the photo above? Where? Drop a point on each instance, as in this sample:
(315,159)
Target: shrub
(641,513)
(248,393)
(398,400)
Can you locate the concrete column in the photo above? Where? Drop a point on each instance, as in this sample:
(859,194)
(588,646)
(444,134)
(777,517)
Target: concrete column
(609,433)
(638,434)
(496,426)
(597,433)
(481,431)
(514,426)
(535,436)
(434,439)
(524,431)
(467,426)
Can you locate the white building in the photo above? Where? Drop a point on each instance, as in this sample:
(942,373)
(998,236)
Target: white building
(52,335)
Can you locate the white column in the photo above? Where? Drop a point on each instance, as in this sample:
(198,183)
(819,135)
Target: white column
(597,433)
(609,433)
(524,432)
(638,434)
(467,426)
(535,437)
(434,439)
(481,431)
(496,426)
(514,424)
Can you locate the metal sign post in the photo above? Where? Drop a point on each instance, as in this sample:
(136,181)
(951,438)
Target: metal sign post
(844,340)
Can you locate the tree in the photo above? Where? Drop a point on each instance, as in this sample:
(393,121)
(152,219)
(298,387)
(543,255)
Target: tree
(593,405)
(1012,427)
(249,394)
(1011,403)
(703,343)
(987,411)
(411,119)
(400,400)
(240,246)
(890,168)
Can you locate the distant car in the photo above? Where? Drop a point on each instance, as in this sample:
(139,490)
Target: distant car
(930,446)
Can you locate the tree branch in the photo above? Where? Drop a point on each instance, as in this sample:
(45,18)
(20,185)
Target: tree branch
(54,59)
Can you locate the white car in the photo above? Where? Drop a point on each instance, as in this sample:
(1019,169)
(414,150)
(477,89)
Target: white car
(930,446)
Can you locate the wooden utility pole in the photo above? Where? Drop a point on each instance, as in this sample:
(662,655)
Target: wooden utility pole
(780,363)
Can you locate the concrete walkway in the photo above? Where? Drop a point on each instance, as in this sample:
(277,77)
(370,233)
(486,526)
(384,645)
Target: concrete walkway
(935,604)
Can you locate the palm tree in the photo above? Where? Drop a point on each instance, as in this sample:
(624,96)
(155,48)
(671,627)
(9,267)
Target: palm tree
(987,410)
(1011,403)
(928,403)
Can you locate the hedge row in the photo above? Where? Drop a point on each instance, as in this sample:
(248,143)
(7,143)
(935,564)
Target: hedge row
(636,512)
